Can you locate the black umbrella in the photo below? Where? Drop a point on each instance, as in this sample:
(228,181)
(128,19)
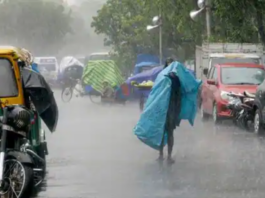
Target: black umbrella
(41,96)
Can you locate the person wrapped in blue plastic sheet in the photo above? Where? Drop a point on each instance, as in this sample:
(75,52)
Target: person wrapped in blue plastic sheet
(173,98)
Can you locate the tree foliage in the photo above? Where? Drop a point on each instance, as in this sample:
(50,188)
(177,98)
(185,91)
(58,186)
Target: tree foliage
(124,22)
(38,25)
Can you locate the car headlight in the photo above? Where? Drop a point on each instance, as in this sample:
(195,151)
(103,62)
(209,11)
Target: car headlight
(225,96)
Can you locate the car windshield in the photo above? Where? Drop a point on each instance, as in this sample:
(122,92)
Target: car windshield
(8,85)
(234,60)
(242,75)
(47,67)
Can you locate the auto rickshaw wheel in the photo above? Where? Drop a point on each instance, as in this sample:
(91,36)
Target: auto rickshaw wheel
(95,99)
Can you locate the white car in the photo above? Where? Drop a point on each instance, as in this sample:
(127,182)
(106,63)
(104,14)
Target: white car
(48,67)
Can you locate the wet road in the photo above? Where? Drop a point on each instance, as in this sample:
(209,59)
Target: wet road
(94,154)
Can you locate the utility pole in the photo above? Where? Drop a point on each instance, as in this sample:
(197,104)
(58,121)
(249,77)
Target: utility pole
(204,5)
(160,38)
(208,18)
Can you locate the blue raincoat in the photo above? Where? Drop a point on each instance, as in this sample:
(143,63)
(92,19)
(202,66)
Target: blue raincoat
(150,128)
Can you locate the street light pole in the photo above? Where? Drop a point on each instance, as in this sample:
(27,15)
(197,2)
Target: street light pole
(157,23)
(208,18)
(160,39)
(204,5)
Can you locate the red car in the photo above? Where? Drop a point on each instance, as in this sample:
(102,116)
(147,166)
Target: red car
(225,78)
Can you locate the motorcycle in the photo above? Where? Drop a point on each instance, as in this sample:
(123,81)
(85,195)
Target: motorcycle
(18,159)
(241,106)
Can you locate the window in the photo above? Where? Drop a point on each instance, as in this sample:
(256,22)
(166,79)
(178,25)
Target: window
(210,74)
(215,74)
(215,61)
(48,67)
(242,75)
(8,85)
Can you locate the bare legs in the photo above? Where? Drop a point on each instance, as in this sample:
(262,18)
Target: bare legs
(170,144)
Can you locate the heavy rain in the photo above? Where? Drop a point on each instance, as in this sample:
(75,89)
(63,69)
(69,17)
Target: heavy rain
(92,91)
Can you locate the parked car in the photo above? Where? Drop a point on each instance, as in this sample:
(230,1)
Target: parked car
(259,108)
(223,79)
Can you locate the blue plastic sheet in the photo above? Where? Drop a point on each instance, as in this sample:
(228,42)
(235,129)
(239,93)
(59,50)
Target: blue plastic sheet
(145,60)
(34,67)
(139,78)
(151,125)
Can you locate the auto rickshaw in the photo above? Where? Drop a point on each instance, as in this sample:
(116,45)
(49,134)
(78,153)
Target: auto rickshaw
(25,100)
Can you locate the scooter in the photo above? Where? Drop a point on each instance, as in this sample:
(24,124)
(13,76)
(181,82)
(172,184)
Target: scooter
(241,106)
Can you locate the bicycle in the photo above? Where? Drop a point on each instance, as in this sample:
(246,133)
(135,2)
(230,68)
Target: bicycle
(70,87)
(68,90)
(94,96)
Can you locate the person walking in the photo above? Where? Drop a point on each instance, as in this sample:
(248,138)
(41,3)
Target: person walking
(173,110)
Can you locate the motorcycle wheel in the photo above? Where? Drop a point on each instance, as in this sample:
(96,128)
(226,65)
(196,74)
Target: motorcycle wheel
(258,127)
(18,178)
(244,125)
(67,94)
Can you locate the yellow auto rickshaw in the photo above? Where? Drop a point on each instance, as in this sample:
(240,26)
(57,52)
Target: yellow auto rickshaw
(25,100)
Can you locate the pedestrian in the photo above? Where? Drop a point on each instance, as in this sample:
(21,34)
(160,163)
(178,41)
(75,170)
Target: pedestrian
(171,120)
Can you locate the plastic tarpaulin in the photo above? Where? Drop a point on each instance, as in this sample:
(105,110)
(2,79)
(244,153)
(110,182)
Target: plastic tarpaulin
(68,62)
(150,127)
(145,76)
(145,60)
(97,72)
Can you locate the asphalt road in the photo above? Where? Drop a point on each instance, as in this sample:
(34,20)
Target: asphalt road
(94,154)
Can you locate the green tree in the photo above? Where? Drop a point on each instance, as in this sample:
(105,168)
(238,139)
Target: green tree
(123,22)
(34,24)
(237,21)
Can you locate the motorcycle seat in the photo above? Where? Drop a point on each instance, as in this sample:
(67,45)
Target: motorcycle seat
(251,95)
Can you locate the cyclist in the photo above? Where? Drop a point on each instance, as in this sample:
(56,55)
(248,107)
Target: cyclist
(70,77)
